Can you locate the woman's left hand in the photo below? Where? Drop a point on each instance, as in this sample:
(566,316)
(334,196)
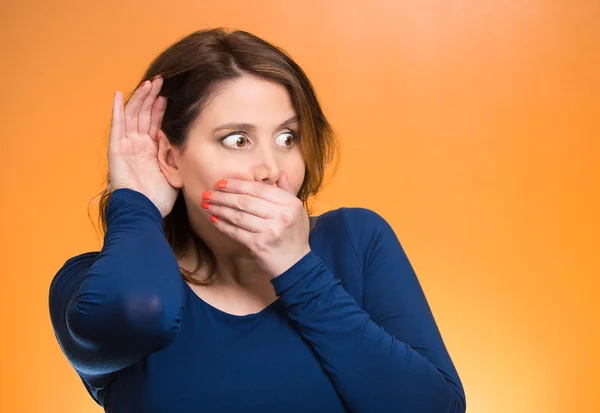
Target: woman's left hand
(269,220)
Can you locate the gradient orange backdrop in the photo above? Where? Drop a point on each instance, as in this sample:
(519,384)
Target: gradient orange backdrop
(471,126)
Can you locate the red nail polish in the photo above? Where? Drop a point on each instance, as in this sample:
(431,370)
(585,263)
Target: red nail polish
(214,218)
(206,194)
(205,204)
(222,183)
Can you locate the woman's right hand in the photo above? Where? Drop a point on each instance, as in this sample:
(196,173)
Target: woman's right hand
(133,146)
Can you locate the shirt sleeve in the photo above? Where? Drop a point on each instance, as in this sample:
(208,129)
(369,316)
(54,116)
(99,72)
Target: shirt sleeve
(389,355)
(112,308)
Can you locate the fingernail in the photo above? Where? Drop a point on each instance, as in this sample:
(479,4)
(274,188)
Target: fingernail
(222,183)
(213,218)
(205,204)
(206,194)
(156,77)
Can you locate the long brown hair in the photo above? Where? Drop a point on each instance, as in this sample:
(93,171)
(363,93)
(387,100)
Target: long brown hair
(191,68)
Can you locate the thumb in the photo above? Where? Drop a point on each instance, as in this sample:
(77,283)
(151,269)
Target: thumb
(283,182)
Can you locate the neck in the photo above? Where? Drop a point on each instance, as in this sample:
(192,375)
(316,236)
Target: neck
(235,269)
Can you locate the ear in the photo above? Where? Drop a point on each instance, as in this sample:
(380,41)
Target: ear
(168,160)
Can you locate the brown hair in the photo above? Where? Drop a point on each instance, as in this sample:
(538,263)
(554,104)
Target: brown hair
(191,68)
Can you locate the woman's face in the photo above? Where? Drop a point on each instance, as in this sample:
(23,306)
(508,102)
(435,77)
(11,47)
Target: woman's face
(248,130)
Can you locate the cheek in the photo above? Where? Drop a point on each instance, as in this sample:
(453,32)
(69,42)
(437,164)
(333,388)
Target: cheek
(296,174)
(199,175)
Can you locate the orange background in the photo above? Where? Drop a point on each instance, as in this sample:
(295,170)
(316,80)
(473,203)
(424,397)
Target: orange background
(472,127)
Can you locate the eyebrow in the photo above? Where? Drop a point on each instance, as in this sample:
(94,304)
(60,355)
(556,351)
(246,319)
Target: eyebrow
(251,127)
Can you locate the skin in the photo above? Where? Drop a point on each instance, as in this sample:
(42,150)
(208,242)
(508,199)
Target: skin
(256,156)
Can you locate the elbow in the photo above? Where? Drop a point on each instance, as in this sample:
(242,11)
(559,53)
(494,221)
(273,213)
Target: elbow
(151,317)
(136,321)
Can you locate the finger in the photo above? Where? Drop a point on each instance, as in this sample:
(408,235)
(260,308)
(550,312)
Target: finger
(239,219)
(284,183)
(117,127)
(244,237)
(244,202)
(158,111)
(259,190)
(133,107)
(148,102)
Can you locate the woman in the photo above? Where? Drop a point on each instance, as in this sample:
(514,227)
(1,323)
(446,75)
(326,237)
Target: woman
(214,290)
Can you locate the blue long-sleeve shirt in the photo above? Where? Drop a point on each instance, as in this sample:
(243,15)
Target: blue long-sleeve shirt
(351,330)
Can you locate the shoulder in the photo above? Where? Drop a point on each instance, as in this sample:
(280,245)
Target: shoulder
(362,228)
(355,221)
(69,276)
(65,283)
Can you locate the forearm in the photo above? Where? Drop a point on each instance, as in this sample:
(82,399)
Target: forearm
(372,370)
(130,300)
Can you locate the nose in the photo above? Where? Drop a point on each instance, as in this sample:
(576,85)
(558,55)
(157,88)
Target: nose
(266,168)
(267,174)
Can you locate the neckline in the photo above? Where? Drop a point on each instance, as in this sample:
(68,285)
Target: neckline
(214,309)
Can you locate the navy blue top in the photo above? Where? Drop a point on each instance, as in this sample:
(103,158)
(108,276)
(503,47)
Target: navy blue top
(350,331)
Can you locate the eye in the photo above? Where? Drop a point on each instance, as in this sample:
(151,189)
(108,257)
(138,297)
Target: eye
(238,140)
(290,139)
